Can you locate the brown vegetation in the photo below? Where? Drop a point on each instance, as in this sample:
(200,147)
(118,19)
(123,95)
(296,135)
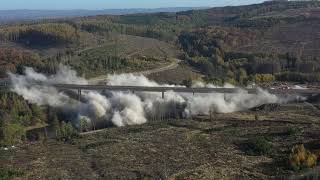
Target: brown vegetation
(186,149)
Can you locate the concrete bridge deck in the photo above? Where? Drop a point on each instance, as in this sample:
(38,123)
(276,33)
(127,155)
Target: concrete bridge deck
(5,84)
(183,89)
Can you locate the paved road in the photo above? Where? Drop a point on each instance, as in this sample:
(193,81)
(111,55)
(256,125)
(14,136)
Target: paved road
(173,65)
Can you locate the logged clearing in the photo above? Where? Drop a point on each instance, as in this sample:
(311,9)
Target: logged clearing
(138,53)
(128,46)
(177,75)
(198,148)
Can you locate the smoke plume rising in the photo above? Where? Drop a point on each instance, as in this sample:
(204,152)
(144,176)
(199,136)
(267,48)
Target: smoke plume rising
(127,108)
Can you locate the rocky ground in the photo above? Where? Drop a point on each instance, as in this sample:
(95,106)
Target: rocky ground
(198,148)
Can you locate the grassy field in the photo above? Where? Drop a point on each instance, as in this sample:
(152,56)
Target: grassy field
(201,148)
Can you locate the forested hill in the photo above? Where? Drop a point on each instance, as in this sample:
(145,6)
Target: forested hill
(283,36)
(15,15)
(288,26)
(230,15)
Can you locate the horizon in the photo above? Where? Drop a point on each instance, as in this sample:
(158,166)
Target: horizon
(103,9)
(113,4)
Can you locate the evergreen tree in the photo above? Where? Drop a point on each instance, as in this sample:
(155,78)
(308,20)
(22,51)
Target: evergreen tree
(56,127)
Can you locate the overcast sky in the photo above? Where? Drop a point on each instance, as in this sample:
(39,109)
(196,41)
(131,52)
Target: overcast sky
(118,4)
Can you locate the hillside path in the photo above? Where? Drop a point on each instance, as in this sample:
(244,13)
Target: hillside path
(171,66)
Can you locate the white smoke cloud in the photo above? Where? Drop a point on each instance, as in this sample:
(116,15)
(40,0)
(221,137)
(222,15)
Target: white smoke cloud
(227,103)
(98,104)
(126,108)
(39,94)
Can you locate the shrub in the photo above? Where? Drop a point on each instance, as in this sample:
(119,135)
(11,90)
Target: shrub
(317,153)
(56,127)
(12,134)
(187,82)
(258,146)
(298,77)
(68,131)
(261,78)
(301,158)
(231,81)
(214,80)
(291,131)
(9,173)
(256,117)
(84,126)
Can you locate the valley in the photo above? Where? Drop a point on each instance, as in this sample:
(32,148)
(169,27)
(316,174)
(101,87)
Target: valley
(249,131)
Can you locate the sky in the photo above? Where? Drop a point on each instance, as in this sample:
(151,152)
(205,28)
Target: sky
(115,4)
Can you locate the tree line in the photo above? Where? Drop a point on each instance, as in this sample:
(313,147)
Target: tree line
(40,34)
(15,115)
(211,51)
(14,60)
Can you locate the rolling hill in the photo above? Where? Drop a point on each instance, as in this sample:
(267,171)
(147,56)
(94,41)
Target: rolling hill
(25,14)
(284,35)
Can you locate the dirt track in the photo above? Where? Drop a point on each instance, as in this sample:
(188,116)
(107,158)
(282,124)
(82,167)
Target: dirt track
(171,66)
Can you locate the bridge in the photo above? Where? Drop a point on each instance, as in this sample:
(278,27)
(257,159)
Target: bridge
(162,90)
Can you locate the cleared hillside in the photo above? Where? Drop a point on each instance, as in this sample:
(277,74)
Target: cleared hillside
(177,149)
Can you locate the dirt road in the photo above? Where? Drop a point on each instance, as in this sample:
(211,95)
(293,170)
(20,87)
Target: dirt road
(173,65)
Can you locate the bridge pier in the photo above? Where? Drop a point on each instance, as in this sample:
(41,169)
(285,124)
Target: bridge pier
(79,95)
(162,94)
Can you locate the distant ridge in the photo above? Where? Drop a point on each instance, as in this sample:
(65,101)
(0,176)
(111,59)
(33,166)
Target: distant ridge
(23,14)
